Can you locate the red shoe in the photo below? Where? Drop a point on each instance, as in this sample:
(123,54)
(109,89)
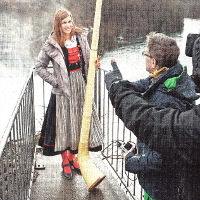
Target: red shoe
(67,172)
(73,161)
(75,164)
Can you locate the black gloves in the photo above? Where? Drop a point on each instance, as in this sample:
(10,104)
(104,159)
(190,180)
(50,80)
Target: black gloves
(112,76)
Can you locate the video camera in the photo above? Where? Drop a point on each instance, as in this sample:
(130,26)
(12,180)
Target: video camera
(191,39)
(193,50)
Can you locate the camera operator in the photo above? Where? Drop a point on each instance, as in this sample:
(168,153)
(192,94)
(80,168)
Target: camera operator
(172,133)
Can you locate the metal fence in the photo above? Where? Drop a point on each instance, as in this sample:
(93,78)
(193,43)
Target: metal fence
(114,133)
(18,144)
(17,148)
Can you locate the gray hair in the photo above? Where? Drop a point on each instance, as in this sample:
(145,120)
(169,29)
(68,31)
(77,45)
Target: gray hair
(163,48)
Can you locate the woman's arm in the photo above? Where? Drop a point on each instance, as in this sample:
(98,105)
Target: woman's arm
(41,68)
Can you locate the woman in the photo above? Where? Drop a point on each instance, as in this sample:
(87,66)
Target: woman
(68,50)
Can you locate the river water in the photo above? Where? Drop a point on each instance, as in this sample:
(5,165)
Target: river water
(16,61)
(132,63)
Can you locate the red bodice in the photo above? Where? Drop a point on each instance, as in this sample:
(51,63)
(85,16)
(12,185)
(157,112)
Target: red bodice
(73,55)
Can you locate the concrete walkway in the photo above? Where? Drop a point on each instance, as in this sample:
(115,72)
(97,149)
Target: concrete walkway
(51,185)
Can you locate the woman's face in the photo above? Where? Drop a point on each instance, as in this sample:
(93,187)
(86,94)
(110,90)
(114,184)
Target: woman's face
(67,25)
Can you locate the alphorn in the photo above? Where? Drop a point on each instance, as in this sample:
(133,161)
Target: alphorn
(91,174)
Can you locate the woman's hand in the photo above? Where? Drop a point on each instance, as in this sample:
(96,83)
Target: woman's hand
(97,63)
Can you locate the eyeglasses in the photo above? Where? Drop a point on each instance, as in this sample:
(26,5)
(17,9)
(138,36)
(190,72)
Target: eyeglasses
(144,54)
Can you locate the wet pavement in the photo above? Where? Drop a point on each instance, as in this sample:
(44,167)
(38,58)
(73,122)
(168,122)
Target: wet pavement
(51,185)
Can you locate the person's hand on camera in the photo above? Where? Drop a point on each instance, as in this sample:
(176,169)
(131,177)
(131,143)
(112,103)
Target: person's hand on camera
(112,76)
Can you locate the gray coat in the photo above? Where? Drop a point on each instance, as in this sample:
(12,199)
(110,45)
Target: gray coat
(59,79)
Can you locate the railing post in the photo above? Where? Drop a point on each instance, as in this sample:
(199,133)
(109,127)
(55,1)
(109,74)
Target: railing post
(114,130)
(17,147)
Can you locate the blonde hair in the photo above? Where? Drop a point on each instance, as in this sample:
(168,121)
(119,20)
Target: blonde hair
(58,34)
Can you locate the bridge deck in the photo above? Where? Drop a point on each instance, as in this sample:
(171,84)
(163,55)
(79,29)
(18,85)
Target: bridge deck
(51,185)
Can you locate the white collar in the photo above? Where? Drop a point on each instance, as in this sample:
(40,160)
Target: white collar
(71,43)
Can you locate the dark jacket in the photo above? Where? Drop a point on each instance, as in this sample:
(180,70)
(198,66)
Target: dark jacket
(155,174)
(170,132)
(182,96)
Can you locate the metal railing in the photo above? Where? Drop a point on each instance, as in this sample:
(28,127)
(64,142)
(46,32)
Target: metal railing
(17,148)
(114,132)
(18,144)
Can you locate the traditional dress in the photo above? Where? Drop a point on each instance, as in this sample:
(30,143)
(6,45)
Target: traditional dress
(62,124)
